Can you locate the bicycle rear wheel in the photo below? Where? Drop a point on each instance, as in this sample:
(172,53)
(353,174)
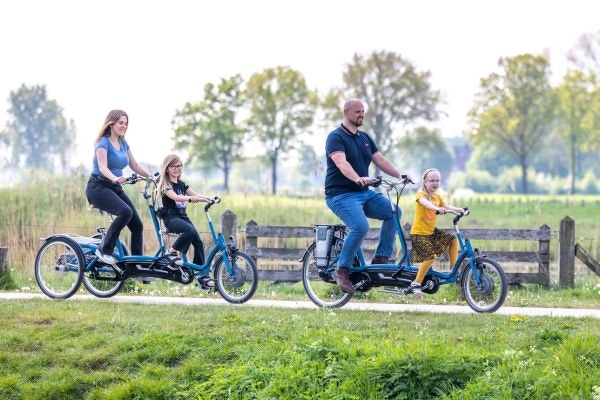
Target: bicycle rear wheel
(490,295)
(239,286)
(99,287)
(59,266)
(323,294)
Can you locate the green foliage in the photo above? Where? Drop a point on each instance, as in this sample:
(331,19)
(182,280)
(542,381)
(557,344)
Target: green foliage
(38,130)
(589,183)
(210,130)
(281,107)
(425,148)
(579,124)
(513,110)
(395,92)
(7,282)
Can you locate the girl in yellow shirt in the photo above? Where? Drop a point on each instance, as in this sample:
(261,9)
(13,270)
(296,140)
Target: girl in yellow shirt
(428,242)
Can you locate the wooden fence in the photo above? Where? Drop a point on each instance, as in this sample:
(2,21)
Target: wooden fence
(287,256)
(541,257)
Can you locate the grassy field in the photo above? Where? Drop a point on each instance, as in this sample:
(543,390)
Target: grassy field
(102,350)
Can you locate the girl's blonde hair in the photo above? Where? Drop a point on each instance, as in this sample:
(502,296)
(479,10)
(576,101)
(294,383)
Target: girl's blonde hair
(424,178)
(112,117)
(164,171)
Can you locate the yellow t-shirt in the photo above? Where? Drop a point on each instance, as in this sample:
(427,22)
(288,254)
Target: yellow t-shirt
(425,219)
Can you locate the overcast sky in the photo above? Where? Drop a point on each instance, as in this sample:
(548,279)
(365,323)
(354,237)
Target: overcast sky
(150,57)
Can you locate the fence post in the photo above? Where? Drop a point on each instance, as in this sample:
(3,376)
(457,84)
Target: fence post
(228,224)
(3,260)
(251,239)
(544,254)
(566,252)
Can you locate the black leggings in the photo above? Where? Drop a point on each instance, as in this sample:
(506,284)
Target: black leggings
(188,235)
(111,198)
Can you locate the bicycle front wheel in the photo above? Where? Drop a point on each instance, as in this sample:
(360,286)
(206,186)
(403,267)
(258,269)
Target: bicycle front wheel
(323,294)
(238,286)
(491,293)
(59,266)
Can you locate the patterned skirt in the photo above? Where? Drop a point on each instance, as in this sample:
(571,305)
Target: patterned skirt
(428,247)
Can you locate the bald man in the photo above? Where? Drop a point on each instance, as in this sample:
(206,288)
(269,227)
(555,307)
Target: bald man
(350,152)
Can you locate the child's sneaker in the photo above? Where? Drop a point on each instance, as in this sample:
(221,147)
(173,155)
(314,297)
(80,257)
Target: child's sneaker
(414,288)
(206,283)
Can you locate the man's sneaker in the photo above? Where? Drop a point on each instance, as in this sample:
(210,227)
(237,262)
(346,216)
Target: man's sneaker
(342,278)
(414,288)
(381,260)
(105,258)
(206,282)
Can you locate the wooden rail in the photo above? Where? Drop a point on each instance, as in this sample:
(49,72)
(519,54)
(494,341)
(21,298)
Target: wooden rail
(286,254)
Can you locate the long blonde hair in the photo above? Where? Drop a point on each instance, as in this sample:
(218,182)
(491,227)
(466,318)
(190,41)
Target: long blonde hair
(164,171)
(112,117)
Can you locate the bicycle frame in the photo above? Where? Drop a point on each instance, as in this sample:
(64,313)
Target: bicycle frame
(481,281)
(405,263)
(199,270)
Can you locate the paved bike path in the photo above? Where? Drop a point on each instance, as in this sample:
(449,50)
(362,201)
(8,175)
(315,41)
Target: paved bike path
(448,309)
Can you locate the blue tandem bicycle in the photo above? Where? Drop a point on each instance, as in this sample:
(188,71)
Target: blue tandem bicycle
(65,261)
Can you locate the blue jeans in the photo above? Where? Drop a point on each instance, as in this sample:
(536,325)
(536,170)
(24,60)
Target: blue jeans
(353,209)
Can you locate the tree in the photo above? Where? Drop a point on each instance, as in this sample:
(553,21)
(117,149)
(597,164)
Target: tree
(281,106)
(585,54)
(396,94)
(210,129)
(38,130)
(579,101)
(426,148)
(513,110)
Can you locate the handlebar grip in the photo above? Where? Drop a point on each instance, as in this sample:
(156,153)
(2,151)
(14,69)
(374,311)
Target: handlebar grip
(405,179)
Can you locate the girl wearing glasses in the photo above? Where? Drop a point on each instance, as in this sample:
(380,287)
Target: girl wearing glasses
(428,242)
(175,195)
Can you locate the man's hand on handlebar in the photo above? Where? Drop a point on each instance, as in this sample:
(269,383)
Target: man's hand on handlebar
(405,179)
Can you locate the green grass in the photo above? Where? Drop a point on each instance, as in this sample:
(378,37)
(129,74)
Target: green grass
(103,350)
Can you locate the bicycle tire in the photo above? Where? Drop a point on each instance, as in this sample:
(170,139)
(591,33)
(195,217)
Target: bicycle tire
(323,294)
(59,266)
(490,295)
(101,288)
(239,287)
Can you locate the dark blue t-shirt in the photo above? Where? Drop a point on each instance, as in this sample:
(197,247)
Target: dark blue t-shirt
(358,148)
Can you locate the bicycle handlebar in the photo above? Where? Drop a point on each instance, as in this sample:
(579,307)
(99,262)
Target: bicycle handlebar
(459,214)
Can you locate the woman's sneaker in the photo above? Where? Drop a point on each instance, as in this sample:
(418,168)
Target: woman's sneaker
(105,258)
(414,288)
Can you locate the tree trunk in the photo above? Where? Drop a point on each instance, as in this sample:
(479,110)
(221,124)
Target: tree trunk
(573,164)
(274,171)
(524,176)
(226,171)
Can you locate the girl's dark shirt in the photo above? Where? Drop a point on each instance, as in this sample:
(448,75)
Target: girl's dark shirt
(175,207)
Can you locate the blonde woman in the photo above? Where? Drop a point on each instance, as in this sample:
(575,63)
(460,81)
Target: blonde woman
(175,196)
(428,242)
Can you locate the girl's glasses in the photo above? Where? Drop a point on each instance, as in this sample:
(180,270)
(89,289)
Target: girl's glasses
(178,166)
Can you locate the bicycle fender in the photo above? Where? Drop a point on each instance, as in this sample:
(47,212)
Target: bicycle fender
(307,251)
